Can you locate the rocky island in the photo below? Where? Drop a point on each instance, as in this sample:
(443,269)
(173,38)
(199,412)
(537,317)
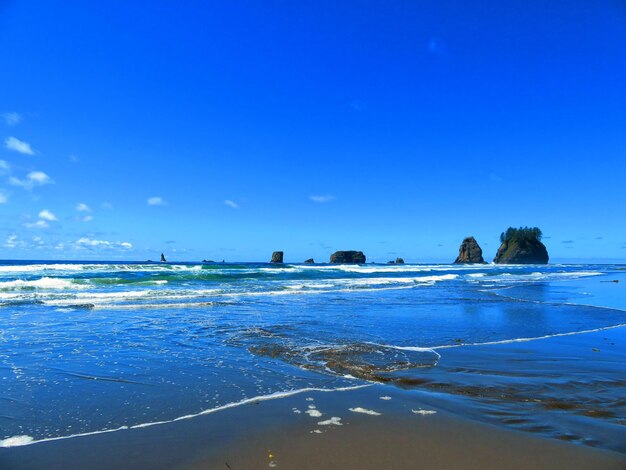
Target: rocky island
(277,257)
(347,257)
(469,252)
(521,246)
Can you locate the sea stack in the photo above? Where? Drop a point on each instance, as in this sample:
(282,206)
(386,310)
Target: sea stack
(521,246)
(163,260)
(347,257)
(277,257)
(469,252)
(309,261)
(397,261)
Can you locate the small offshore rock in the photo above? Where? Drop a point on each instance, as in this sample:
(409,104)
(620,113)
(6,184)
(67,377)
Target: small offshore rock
(347,257)
(469,252)
(277,257)
(309,261)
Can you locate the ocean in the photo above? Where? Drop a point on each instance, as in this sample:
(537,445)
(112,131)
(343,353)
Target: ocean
(105,346)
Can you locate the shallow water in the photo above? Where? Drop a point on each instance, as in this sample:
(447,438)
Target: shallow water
(99,346)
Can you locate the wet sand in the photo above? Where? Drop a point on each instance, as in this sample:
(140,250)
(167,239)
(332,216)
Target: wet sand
(280,434)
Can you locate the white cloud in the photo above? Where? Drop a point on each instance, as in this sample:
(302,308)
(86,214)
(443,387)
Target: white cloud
(4,166)
(34,178)
(87,218)
(3,198)
(38,224)
(39,177)
(322,198)
(18,146)
(82,207)
(156,201)
(12,119)
(90,243)
(47,215)
(12,241)
(232,204)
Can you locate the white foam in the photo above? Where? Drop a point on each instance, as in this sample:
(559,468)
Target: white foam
(334,421)
(386,398)
(313,413)
(16,441)
(424,412)
(27,440)
(524,340)
(43,283)
(364,411)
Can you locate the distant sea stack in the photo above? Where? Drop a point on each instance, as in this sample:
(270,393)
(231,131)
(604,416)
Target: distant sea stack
(309,261)
(521,246)
(347,257)
(469,252)
(397,261)
(277,257)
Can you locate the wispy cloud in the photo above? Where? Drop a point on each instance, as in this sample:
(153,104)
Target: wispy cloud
(232,204)
(90,244)
(34,178)
(87,218)
(82,207)
(18,145)
(156,201)
(4,166)
(47,215)
(321,199)
(3,198)
(37,224)
(12,241)
(12,119)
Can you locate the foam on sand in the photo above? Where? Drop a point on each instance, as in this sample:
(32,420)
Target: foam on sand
(364,411)
(334,421)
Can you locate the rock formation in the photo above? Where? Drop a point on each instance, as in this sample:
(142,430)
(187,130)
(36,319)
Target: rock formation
(397,261)
(347,257)
(469,252)
(277,257)
(521,246)
(163,260)
(310,261)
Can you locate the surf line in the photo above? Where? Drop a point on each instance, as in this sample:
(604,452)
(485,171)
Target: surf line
(24,440)
(506,341)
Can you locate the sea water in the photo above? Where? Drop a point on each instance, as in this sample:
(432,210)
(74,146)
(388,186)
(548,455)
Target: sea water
(99,347)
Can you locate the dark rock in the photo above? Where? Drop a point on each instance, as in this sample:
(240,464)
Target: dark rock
(521,246)
(347,257)
(310,261)
(277,257)
(399,261)
(163,260)
(470,252)
(208,261)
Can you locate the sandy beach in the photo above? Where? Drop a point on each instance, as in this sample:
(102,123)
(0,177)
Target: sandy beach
(279,434)
(376,426)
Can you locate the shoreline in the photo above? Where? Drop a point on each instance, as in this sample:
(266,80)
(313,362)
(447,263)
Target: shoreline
(408,433)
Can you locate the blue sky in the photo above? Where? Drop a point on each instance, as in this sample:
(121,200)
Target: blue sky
(227,130)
